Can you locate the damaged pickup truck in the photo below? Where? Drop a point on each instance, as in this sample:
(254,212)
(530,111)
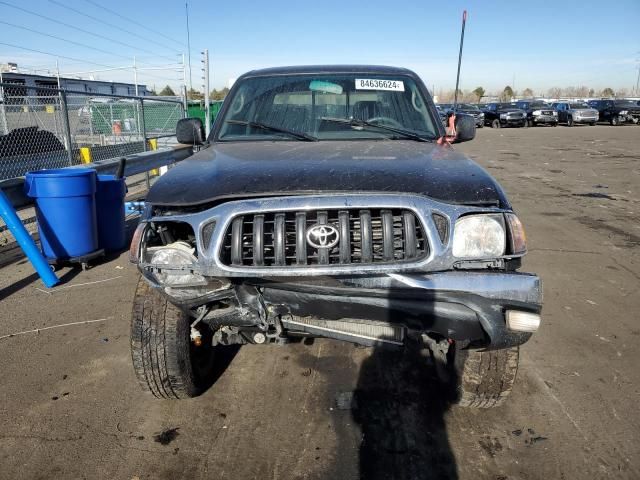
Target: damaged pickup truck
(328,202)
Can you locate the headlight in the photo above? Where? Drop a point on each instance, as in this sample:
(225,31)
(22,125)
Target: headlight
(503,116)
(623,112)
(537,112)
(479,236)
(481,115)
(173,265)
(555,114)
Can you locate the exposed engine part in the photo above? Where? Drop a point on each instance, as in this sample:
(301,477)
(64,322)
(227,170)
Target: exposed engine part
(363,332)
(228,336)
(196,337)
(202,311)
(439,353)
(165,235)
(250,299)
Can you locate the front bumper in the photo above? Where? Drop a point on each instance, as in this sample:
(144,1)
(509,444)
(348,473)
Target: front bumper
(462,306)
(513,122)
(544,119)
(585,118)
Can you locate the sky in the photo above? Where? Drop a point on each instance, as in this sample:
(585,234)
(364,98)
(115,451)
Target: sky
(525,44)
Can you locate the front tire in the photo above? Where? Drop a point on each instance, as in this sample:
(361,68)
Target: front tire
(166,362)
(569,121)
(485,378)
(615,121)
(495,124)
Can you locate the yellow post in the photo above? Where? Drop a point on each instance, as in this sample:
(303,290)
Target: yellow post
(85,155)
(153,145)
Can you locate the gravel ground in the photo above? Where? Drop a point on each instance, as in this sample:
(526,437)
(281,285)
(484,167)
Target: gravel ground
(70,406)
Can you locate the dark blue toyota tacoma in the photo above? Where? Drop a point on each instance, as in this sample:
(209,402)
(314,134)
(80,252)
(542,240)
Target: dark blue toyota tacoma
(328,202)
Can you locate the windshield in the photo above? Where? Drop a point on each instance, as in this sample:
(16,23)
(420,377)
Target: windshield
(625,103)
(281,107)
(579,105)
(532,105)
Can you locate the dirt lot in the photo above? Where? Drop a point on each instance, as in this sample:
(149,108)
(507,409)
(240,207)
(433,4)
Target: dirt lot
(70,406)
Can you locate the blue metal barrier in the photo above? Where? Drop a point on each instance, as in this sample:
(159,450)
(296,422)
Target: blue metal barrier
(25,241)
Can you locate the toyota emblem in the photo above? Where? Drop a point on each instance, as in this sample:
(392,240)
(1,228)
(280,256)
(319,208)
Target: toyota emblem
(323,236)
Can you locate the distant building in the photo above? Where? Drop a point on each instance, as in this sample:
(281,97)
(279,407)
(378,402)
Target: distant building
(23,81)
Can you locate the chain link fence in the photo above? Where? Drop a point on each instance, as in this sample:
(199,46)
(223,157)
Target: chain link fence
(43,128)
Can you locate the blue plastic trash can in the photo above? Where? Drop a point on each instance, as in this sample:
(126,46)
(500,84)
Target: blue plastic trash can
(65,211)
(110,194)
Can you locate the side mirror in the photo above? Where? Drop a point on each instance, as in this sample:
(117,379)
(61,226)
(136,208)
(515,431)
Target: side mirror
(190,131)
(465,128)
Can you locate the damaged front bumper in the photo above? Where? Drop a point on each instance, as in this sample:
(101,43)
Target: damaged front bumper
(462,306)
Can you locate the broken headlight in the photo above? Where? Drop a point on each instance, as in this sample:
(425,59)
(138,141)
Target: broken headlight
(174,265)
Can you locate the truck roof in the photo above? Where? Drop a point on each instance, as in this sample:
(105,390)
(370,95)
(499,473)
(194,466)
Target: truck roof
(318,69)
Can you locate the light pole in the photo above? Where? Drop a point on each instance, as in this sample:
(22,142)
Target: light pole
(207,109)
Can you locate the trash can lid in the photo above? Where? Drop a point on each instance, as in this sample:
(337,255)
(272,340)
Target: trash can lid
(60,183)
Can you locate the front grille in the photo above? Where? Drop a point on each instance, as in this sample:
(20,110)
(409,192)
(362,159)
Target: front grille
(361,237)
(548,113)
(515,115)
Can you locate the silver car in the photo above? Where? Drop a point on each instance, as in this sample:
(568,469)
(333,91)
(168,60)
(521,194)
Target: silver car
(575,112)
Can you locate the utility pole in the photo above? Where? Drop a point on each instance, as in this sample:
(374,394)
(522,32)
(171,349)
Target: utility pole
(186,6)
(207,108)
(184,84)
(135,74)
(58,73)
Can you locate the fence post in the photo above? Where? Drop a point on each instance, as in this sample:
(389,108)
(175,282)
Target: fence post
(143,129)
(3,111)
(65,123)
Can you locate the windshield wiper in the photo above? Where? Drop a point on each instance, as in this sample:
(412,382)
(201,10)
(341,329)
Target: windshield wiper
(363,123)
(273,128)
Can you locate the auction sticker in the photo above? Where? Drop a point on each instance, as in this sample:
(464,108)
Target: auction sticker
(377,84)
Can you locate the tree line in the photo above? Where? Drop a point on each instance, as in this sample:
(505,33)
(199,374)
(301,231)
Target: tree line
(475,95)
(508,93)
(192,94)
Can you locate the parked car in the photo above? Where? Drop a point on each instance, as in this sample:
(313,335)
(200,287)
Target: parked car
(504,115)
(538,113)
(325,203)
(442,114)
(575,112)
(467,109)
(617,112)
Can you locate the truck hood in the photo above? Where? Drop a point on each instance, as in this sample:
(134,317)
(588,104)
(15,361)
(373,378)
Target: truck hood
(250,169)
(511,110)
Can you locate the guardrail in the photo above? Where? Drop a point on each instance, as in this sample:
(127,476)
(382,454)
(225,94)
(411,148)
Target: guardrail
(136,164)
